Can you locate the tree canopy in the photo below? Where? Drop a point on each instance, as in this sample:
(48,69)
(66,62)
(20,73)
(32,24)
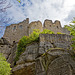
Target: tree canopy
(25,40)
(71,28)
(4,66)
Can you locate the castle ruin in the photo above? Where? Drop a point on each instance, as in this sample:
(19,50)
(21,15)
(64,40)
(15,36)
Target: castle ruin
(51,55)
(15,32)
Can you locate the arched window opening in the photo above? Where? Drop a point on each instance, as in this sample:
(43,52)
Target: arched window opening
(14,27)
(20,26)
(57,27)
(50,25)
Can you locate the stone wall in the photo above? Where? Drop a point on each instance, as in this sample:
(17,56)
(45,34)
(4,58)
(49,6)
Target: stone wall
(65,31)
(55,27)
(48,41)
(15,32)
(35,25)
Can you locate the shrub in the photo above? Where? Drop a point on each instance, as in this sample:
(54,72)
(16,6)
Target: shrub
(25,40)
(4,66)
(21,46)
(60,33)
(34,35)
(46,31)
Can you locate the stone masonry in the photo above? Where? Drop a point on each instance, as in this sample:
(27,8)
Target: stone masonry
(15,32)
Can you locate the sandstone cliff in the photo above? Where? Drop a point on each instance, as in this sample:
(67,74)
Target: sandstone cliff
(52,55)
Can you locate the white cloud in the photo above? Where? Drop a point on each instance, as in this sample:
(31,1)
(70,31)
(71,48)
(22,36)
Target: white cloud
(40,10)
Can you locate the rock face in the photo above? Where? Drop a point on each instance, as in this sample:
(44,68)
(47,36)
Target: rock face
(24,69)
(5,47)
(8,50)
(59,62)
(52,55)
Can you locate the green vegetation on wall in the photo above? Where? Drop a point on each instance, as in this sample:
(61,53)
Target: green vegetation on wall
(46,31)
(4,66)
(71,28)
(25,40)
(59,33)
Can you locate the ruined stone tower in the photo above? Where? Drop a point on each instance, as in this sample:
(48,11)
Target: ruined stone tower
(15,32)
(35,25)
(55,27)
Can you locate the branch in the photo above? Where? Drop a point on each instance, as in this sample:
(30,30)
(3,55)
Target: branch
(3,2)
(4,9)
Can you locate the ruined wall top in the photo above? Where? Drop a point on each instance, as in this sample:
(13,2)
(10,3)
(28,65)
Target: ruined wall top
(49,22)
(35,25)
(15,32)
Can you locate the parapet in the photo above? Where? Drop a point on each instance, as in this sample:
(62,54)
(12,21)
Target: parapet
(57,22)
(47,22)
(55,27)
(15,32)
(35,25)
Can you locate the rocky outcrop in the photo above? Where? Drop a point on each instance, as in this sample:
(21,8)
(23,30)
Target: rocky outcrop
(24,69)
(55,61)
(5,47)
(8,50)
(30,54)
(26,63)
(52,55)
(58,61)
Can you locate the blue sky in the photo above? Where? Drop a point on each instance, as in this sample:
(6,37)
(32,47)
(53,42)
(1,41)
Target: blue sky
(62,10)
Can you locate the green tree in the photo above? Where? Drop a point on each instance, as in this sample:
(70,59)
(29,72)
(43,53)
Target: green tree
(34,36)
(21,46)
(4,66)
(25,40)
(71,28)
(46,31)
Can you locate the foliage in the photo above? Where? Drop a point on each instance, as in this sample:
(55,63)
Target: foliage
(21,46)
(4,66)
(59,33)
(19,1)
(34,35)
(71,28)
(68,27)
(46,31)
(25,40)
